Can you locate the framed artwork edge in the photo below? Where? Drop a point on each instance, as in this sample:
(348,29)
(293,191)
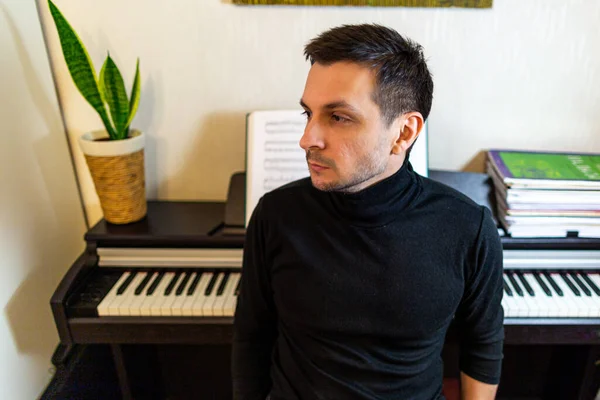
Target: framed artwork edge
(374,3)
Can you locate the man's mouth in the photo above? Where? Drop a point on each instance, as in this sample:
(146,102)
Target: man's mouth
(317,167)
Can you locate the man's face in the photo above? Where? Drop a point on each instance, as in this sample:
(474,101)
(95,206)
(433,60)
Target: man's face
(346,141)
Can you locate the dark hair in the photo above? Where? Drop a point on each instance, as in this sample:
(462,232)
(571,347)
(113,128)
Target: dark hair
(403,80)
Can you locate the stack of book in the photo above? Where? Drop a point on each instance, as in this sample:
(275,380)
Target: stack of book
(544,194)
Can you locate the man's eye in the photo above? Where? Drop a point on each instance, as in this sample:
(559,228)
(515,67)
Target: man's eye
(339,118)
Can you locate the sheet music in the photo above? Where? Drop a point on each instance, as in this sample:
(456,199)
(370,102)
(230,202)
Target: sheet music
(274,156)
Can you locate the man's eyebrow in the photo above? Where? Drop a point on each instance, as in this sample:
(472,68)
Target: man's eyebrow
(340,104)
(335,104)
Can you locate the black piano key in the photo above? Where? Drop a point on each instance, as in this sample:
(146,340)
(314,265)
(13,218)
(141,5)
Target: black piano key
(171,285)
(507,288)
(515,284)
(143,283)
(237,288)
(211,284)
(222,285)
(152,287)
(542,284)
(591,283)
(526,284)
(192,287)
(578,281)
(566,279)
(184,282)
(125,284)
(554,285)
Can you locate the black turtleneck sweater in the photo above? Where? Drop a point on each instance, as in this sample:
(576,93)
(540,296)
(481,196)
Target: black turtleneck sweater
(349,296)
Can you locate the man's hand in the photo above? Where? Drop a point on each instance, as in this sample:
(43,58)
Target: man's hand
(472,389)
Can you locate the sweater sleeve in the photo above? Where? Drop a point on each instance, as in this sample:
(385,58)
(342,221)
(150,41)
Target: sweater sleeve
(255,324)
(480,316)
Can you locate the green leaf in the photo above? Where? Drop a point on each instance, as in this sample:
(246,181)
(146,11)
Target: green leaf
(101,87)
(116,97)
(80,66)
(135,94)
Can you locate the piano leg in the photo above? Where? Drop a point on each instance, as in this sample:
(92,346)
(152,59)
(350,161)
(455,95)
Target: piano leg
(121,369)
(591,378)
(61,353)
(138,371)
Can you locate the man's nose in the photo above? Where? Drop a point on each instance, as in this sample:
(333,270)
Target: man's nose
(313,136)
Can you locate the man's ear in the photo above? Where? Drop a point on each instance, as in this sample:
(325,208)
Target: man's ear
(410,128)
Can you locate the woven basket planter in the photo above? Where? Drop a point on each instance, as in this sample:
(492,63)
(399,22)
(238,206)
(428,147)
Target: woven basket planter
(117,168)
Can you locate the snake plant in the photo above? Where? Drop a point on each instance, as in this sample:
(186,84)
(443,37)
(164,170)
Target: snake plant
(107,91)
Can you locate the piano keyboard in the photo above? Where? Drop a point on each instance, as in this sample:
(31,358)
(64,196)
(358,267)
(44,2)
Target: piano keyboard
(203,292)
(168,293)
(552,294)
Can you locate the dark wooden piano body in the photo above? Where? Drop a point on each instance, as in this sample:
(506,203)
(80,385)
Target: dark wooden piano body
(547,358)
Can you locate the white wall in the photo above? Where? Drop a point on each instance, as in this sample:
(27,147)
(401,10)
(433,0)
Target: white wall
(525,74)
(41,218)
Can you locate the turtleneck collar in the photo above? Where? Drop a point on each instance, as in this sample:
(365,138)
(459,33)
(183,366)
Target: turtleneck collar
(381,202)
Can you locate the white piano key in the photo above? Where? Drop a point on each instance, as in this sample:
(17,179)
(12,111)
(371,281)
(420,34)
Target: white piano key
(138,299)
(564,307)
(533,302)
(595,277)
(521,305)
(188,304)
(159,294)
(583,299)
(199,298)
(590,300)
(581,276)
(129,295)
(219,306)
(545,306)
(186,308)
(207,307)
(511,309)
(231,302)
(556,304)
(165,308)
(559,306)
(176,307)
(113,308)
(576,308)
(150,299)
(103,307)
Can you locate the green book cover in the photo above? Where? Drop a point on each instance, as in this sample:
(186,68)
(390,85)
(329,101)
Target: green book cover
(547,166)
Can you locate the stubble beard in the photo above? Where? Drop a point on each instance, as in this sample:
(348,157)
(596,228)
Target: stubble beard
(367,167)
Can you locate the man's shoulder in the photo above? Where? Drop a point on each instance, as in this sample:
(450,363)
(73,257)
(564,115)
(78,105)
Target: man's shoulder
(289,192)
(466,214)
(440,192)
(290,199)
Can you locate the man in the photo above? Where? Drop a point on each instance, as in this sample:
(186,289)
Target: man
(351,277)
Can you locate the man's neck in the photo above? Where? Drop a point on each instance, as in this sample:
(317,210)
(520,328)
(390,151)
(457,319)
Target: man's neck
(391,168)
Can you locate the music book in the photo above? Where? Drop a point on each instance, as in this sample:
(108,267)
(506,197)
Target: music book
(546,170)
(546,194)
(274,156)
